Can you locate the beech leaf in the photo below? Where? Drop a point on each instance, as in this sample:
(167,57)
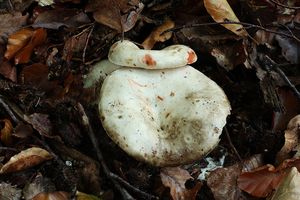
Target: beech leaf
(221,11)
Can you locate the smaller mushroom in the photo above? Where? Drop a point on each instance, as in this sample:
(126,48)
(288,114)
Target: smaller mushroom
(126,53)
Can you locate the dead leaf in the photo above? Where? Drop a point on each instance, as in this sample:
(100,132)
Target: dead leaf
(54,19)
(291,135)
(221,11)
(6,132)
(9,23)
(37,185)
(222,181)
(59,195)
(119,15)
(23,130)
(17,41)
(8,71)
(25,159)
(175,178)
(41,123)
(9,192)
(157,36)
(289,187)
(38,37)
(263,180)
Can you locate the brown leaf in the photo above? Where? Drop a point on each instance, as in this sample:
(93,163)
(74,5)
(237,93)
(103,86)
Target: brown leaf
(54,19)
(222,181)
(9,192)
(17,41)
(263,180)
(41,123)
(221,11)
(109,13)
(38,37)
(25,159)
(23,130)
(83,196)
(6,132)
(175,178)
(9,23)
(36,75)
(8,71)
(157,36)
(291,135)
(59,195)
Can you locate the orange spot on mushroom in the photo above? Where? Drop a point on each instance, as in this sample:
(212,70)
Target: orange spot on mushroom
(191,57)
(149,60)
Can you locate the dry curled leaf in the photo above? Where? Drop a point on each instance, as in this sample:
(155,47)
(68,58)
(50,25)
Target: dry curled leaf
(59,195)
(289,187)
(17,41)
(263,180)
(158,35)
(38,37)
(6,132)
(175,178)
(221,11)
(291,135)
(25,159)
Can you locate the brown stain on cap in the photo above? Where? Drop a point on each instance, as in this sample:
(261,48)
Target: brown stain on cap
(149,60)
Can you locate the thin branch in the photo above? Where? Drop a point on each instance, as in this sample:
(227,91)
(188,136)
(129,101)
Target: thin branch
(283,5)
(8,110)
(8,149)
(87,42)
(231,144)
(113,177)
(246,26)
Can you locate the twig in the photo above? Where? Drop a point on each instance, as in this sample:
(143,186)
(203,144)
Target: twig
(274,67)
(87,42)
(247,26)
(8,110)
(231,144)
(113,177)
(8,149)
(283,5)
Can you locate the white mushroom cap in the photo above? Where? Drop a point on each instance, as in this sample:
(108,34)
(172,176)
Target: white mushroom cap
(163,117)
(126,53)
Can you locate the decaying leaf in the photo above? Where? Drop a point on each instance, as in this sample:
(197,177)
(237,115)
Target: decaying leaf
(157,36)
(291,135)
(37,185)
(6,132)
(9,192)
(263,180)
(17,41)
(119,15)
(221,11)
(59,195)
(41,123)
(38,37)
(175,178)
(54,19)
(25,159)
(289,187)
(11,22)
(45,2)
(222,181)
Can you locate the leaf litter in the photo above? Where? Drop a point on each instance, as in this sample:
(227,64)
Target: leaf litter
(250,48)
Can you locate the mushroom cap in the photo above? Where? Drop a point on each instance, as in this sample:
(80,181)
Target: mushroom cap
(126,53)
(163,117)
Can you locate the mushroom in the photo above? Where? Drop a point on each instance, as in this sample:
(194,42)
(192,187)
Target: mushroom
(166,116)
